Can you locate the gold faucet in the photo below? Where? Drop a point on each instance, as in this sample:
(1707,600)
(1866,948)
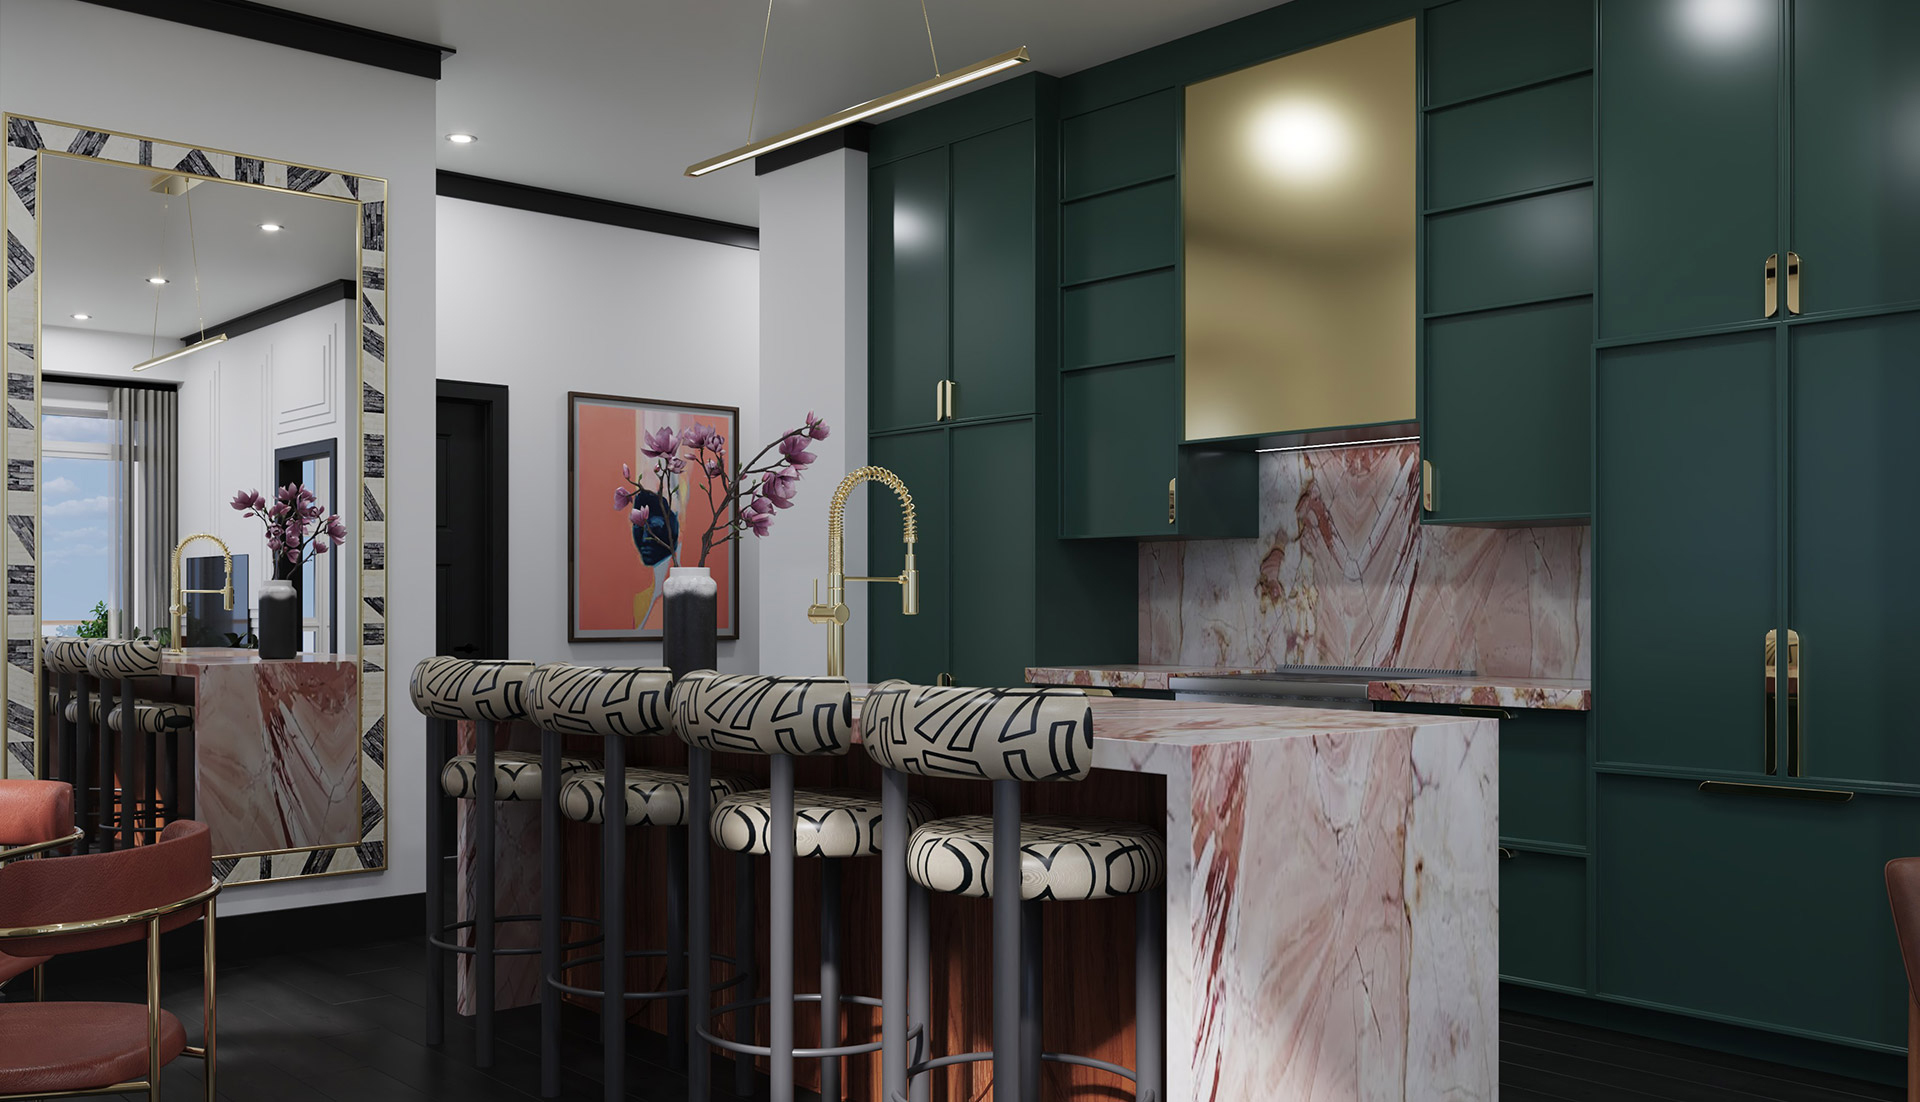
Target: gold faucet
(835,613)
(179,607)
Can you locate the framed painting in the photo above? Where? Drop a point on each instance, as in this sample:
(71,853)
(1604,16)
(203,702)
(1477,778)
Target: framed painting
(636,507)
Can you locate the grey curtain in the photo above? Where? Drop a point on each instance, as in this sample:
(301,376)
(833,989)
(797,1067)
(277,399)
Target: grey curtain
(146,459)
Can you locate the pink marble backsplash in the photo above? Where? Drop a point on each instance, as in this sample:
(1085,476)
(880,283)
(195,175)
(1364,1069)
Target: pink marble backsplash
(1343,573)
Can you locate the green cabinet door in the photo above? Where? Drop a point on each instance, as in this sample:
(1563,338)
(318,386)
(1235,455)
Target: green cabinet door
(910,647)
(1685,551)
(1689,159)
(1119,433)
(995,255)
(1759,910)
(993,543)
(1856,154)
(907,288)
(1853,586)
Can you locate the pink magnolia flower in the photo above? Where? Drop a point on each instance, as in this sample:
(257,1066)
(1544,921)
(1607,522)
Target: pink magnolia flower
(626,472)
(816,427)
(336,529)
(714,468)
(320,545)
(779,488)
(621,495)
(794,448)
(653,445)
(639,516)
(697,436)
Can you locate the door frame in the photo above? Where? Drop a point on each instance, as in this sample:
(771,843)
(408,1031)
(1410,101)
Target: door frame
(297,454)
(493,397)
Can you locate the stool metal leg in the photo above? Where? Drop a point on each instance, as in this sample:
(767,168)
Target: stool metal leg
(1006,942)
(436,884)
(1032,1000)
(919,979)
(83,779)
(677,1052)
(699,866)
(483,926)
(893,934)
(780,845)
(551,901)
(830,976)
(61,690)
(613,927)
(130,774)
(109,767)
(746,951)
(1149,997)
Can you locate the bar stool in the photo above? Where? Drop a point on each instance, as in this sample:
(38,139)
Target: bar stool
(76,734)
(614,703)
(486,692)
(149,784)
(1010,736)
(784,718)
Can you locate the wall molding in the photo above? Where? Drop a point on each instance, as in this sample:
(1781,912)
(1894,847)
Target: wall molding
(500,193)
(295,31)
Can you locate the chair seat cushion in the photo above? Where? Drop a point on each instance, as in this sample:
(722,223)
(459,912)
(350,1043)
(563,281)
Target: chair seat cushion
(1060,858)
(34,811)
(516,774)
(78,1046)
(655,797)
(827,822)
(11,966)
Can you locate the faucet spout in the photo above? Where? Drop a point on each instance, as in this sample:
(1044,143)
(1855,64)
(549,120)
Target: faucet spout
(179,606)
(834,612)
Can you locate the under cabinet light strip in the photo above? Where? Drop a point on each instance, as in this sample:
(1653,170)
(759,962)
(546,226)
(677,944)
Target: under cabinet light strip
(1341,444)
(865,110)
(177,353)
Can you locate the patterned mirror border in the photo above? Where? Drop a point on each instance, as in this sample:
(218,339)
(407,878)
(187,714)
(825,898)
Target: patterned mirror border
(19,309)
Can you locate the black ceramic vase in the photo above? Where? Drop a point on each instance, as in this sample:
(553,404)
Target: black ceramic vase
(692,626)
(279,627)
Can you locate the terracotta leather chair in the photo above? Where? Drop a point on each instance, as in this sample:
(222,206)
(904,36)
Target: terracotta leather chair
(90,902)
(36,817)
(1903,891)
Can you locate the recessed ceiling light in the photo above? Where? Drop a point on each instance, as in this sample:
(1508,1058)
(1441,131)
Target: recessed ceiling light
(272,227)
(462,139)
(158,280)
(82,317)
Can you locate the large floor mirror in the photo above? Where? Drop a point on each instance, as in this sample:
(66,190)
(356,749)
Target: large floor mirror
(187,328)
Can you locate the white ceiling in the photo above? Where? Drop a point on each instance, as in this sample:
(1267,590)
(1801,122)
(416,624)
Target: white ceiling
(615,98)
(104,231)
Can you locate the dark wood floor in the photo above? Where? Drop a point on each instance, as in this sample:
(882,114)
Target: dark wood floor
(344,1025)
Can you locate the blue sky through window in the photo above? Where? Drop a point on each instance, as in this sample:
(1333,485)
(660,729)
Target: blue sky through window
(76,531)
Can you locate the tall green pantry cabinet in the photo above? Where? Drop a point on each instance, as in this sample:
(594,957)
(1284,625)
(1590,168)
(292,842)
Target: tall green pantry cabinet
(963,350)
(1758,350)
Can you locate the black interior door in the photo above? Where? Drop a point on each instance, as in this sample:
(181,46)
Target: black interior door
(470,521)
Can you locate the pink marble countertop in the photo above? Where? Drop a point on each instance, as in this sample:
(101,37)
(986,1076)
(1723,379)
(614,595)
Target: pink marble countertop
(195,659)
(1493,692)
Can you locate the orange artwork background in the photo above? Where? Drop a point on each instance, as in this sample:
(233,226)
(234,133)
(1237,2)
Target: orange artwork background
(610,583)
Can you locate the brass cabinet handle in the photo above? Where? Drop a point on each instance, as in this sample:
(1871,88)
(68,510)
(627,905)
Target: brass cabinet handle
(1506,854)
(1795,688)
(1426,484)
(1773,284)
(1770,723)
(1484,710)
(1777,791)
(1171,508)
(1793,283)
(940,400)
(1774,679)
(943,680)
(953,391)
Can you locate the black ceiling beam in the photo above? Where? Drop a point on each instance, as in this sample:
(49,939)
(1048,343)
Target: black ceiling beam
(500,193)
(339,290)
(857,136)
(293,30)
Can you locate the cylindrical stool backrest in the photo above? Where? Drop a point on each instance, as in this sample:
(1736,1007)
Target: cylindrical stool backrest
(492,689)
(600,700)
(1021,734)
(116,659)
(67,654)
(752,714)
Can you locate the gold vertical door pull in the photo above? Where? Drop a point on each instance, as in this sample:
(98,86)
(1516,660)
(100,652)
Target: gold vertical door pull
(1796,729)
(1426,484)
(1171,500)
(940,400)
(1793,283)
(953,392)
(1776,682)
(944,680)
(1773,284)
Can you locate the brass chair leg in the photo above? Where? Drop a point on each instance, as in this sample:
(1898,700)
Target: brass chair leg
(153,1009)
(209,1002)
(40,983)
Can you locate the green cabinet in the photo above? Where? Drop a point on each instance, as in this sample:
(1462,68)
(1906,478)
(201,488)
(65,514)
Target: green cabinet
(907,279)
(995,248)
(1543,919)
(1507,262)
(911,647)
(1752,909)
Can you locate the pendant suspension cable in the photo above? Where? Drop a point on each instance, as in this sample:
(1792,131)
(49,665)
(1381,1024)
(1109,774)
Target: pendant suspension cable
(757,73)
(160,253)
(929,21)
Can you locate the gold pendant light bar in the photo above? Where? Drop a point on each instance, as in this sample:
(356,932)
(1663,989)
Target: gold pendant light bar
(872,107)
(177,353)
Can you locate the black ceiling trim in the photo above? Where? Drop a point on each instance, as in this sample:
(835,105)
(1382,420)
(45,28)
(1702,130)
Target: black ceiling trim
(856,137)
(296,31)
(340,290)
(113,381)
(500,193)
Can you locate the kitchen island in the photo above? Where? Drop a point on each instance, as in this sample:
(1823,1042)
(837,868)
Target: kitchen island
(1332,891)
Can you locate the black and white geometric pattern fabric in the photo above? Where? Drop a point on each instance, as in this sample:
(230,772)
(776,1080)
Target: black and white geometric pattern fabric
(655,797)
(113,659)
(750,714)
(1060,858)
(516,774)
(66,654)
(828,822)
(599,700)
(1022,734)
(72,711)
(153,719)
(471,688)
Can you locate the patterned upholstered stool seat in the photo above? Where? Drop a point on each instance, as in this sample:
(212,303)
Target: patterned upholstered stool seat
(655,797)
(1059,858)
(516,774)
(72,712)
(67,654)
(154,719)
(827,822)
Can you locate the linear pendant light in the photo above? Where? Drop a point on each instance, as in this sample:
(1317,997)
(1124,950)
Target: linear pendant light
(179,352)
(872,107)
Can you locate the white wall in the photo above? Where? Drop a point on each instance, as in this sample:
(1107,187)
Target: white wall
(70,350)
(813,354)
(94,66)
(546,305)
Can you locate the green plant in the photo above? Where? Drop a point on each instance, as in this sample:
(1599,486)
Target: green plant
(95,625)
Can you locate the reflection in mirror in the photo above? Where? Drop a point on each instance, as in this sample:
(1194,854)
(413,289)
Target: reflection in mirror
(138,264)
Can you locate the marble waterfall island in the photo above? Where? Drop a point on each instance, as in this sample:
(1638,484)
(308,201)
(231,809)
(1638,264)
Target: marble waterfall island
(276,748)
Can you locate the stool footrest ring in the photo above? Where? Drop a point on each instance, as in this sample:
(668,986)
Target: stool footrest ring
(678,992)
(453,928)
(831,1052)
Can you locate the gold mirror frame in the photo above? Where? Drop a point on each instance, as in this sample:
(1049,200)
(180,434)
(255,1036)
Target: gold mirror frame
(27,141)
